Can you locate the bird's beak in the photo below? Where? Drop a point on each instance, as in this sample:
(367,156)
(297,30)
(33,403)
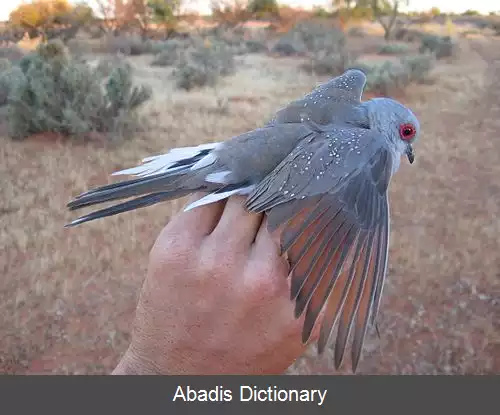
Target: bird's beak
(410,154)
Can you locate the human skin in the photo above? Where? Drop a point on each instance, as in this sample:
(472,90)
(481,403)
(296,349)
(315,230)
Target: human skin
(215,299)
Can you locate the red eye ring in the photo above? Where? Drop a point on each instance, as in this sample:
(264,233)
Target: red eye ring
(407,131)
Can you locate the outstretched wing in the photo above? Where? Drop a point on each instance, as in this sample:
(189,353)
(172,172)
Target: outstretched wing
(328,103)
(334,220)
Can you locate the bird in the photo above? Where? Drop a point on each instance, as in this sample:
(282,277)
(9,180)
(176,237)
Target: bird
(320,171)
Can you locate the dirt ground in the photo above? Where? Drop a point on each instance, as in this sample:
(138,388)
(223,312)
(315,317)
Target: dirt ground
(67,297)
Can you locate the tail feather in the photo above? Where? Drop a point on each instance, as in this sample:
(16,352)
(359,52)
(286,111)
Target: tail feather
(139,202)
(129,188)
(161,173)
(170,176)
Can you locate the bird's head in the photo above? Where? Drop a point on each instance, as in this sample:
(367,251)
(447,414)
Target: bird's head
(396,122)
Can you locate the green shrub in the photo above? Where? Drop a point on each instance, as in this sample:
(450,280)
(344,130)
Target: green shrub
(439,46)
(169,53)
(129,45)
(255,46)
(384,78)
(12,52)
(408,35)
(290,44)
(356,31)
(189,75)
(418,66)
(56,93)
(312,38)
(159,46)
(166,58)
(203,65)
(7,77)
(391,77)
(394,49)
(320,37)
(332,65)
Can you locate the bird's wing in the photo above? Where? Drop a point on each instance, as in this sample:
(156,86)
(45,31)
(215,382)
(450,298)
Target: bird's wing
(330,200)
(327,103)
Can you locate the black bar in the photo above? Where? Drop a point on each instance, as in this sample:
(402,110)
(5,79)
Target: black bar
(155,395)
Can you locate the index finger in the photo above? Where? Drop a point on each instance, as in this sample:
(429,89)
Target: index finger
(199,221)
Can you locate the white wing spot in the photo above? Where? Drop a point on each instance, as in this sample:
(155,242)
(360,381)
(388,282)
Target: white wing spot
(215,197)
(162,163)
(218,177)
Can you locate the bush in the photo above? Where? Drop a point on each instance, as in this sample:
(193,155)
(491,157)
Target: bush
(289,45)
(55,93)
(204,65)
(169,53)
(130,45)
(332,65)
(313,38)
(394,49)
(255,46)
(320,38)
(390,77)
(439,46)
(408,35)
(189,75)
(12,52)
(158,46)
(166,58)
(418,67)
(6,79)
(356,31)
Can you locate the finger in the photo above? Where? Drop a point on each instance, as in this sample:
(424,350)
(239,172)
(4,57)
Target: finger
(198,222)
(266,243)
(237,226)
(266,250)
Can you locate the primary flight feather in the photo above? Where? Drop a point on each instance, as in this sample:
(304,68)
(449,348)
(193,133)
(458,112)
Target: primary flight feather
(320,170)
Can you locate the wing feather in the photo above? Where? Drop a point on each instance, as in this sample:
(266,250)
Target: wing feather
(334,228)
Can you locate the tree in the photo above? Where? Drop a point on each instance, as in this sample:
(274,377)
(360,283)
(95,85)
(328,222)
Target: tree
(471,13)
(263,8)
(386,13)
(165,13)
(352,10)
(51,18)
(106,11)
(39,13)
(230,12)
(435,11)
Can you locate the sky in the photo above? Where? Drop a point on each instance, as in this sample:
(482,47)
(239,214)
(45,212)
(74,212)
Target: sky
(203,6)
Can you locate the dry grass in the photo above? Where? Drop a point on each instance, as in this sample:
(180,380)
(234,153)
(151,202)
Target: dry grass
(67,296)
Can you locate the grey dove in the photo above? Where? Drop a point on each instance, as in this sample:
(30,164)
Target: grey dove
(320,170)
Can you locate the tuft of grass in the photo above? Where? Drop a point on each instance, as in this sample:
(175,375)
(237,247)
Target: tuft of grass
(54,93)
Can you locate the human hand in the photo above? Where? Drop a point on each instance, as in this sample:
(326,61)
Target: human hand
(215,299)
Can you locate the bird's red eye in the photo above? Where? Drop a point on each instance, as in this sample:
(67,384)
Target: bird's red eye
(407,131)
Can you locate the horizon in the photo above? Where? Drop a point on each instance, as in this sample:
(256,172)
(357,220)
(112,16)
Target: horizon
(203,6)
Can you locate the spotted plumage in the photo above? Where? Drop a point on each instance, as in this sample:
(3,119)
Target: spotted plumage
(320,169)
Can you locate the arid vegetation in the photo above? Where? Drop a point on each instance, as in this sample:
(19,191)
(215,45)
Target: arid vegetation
(86,92)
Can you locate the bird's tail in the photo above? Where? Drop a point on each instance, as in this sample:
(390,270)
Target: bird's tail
(161,178)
